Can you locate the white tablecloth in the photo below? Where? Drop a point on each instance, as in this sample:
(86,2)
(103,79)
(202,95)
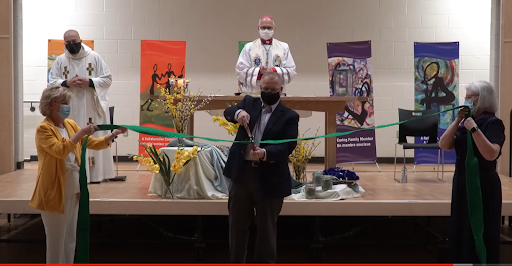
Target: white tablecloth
(195,180)
(337,192)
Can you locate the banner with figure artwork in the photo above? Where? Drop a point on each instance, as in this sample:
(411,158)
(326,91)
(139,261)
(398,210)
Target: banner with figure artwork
(350,74)
(160,62)
(241,45)
(436,86)
(56,48)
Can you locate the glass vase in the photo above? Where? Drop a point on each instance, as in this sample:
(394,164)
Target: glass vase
(300,172)
(180,130)
(166,194)
(310,191)
(181,142)
(317,177)
(167,191)
(326,182)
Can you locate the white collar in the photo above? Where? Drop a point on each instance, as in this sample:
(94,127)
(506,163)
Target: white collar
(85,51)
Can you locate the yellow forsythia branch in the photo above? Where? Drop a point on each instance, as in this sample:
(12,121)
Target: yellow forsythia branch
(232,128)
(302,154)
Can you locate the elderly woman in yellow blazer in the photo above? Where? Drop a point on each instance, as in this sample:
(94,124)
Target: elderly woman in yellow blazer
(58,142)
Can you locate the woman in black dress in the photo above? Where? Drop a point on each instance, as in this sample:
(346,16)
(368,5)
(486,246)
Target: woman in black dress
(488,134)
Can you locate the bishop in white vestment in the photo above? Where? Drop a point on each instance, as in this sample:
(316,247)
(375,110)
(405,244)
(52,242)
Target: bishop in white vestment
(88,78)
(263,55)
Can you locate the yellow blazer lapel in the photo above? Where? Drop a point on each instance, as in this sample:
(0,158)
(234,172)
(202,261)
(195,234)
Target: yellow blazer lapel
(52,125)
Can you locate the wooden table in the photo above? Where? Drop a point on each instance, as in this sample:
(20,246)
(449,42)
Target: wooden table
(328,105)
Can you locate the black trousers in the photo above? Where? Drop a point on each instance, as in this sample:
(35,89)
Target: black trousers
(245,204)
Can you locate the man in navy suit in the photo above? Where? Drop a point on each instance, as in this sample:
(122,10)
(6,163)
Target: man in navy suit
(259,173)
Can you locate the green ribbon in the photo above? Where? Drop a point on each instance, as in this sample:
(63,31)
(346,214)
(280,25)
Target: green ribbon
(84,218)
(474,194)
(472,176)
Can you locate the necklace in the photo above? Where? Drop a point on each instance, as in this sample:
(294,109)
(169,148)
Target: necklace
(267,50)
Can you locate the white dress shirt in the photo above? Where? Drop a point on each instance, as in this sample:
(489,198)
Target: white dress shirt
(259,128)
(72,168)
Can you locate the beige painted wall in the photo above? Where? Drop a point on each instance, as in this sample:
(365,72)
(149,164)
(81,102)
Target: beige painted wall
(212,29)
(505,92)
(7,162)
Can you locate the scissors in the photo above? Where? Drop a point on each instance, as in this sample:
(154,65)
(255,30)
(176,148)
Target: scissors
(251,137)
(253,146)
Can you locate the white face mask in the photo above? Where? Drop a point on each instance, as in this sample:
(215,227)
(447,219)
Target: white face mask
(266,34)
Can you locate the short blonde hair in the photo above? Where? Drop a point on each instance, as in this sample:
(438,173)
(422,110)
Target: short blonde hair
(51,95)
(487,98)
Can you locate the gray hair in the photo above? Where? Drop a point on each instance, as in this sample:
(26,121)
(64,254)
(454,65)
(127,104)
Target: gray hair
(487,98)
(273,75)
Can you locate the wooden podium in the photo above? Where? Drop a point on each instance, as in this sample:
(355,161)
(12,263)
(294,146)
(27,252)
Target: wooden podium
(328,105)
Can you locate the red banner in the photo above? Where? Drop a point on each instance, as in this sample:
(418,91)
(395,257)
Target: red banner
(159,62)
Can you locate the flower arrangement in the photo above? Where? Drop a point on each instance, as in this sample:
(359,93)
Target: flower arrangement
(301,155)
(159,162)
(182,158)
(181,104)
(232,128)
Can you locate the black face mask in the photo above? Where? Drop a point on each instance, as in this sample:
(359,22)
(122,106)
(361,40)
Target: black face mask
(74,48)
(270,98)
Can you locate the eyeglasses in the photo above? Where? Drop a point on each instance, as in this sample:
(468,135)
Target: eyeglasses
(266,28)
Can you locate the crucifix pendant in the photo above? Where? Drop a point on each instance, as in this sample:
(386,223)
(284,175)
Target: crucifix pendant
(91,161)
(66,72)
(90,69)
(266,61)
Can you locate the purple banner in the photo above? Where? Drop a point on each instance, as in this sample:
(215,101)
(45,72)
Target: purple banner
(354,50)
(355,147)
(436,86)
(350,75)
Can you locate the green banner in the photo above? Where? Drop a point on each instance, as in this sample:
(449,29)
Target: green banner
(241,45)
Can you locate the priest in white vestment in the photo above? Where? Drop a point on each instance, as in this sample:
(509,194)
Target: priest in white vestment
(262,55)
(88,78)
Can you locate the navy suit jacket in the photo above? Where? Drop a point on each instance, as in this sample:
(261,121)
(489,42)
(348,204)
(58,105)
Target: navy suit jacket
(274,173)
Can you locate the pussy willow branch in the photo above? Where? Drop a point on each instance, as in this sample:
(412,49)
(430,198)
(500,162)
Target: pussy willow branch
(314,144)
(187,106)
(207,100)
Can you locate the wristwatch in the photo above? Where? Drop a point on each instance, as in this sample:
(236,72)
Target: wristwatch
(474,129)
